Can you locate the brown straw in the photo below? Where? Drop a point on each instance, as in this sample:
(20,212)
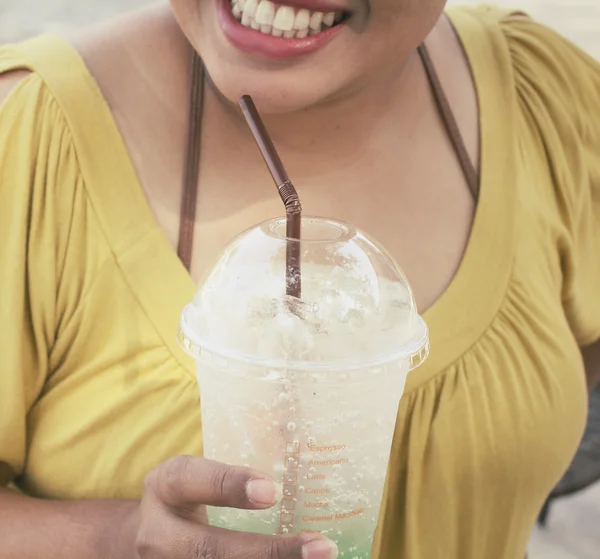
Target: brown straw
(289,196)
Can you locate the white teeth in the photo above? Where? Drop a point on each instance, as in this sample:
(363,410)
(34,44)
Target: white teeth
(329,18)
(302,20)
(284,19)
(249,11)
(280,20)
(265,14)
(315,21)
(250,7)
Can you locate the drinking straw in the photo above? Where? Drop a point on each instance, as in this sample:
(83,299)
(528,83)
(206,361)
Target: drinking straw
(293,211)
(287,191)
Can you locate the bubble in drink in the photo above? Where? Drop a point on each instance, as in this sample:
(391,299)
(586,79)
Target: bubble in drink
(283,398)
(291,426)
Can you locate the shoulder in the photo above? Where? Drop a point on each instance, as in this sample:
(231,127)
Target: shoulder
(532,46)
(35,78)
(9,81)
(31,122)
(557,87)
(39,168)
(30,116)
(554,85)
(120,64)
(136,59)
(538,55)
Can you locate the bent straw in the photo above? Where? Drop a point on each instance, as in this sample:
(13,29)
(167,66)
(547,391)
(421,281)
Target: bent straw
(289,196)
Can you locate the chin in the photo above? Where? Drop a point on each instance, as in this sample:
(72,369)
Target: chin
(274,92)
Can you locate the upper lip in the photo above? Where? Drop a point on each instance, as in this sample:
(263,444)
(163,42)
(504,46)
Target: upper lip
(315,5)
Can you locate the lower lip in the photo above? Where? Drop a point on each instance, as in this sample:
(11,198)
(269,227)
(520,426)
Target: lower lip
(259,44)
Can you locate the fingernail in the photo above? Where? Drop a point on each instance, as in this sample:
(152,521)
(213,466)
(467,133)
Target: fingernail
(262,492)
(320,549)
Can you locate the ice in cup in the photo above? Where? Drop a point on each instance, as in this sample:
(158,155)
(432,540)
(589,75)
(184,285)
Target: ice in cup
(306,390)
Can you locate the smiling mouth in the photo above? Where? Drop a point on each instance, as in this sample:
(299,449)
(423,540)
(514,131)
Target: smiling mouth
(279,20)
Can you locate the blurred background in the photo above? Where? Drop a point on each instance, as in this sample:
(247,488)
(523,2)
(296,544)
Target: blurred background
(572,530)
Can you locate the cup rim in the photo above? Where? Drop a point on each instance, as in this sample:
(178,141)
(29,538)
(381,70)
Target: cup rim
(415,350)
(340,231)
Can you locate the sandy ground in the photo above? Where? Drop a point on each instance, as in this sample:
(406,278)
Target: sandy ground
(573,531)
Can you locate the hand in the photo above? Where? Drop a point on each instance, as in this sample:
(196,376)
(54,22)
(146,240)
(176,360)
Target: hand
(173,521)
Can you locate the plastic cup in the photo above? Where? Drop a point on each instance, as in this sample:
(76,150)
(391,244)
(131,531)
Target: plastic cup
(305,390)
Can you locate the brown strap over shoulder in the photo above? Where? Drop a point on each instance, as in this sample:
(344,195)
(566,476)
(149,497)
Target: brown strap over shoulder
(468,168)
(192,164)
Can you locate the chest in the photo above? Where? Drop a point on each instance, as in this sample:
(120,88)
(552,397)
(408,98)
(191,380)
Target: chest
(421,213)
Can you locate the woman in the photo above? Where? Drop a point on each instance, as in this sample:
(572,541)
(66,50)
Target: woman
(475,159)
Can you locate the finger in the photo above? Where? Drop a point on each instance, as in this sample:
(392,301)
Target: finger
(187,481)
(174,538)
(217,543)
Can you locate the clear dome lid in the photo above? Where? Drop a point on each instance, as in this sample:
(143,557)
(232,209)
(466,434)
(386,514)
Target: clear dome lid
(356,306)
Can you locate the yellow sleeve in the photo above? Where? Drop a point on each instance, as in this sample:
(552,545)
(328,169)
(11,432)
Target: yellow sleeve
(38,183)
(558,88)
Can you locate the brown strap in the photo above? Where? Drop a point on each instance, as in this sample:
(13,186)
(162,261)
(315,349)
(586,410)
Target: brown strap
(190,186)
(192,164)
(468,168)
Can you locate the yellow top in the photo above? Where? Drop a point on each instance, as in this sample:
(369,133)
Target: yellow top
(94,390)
